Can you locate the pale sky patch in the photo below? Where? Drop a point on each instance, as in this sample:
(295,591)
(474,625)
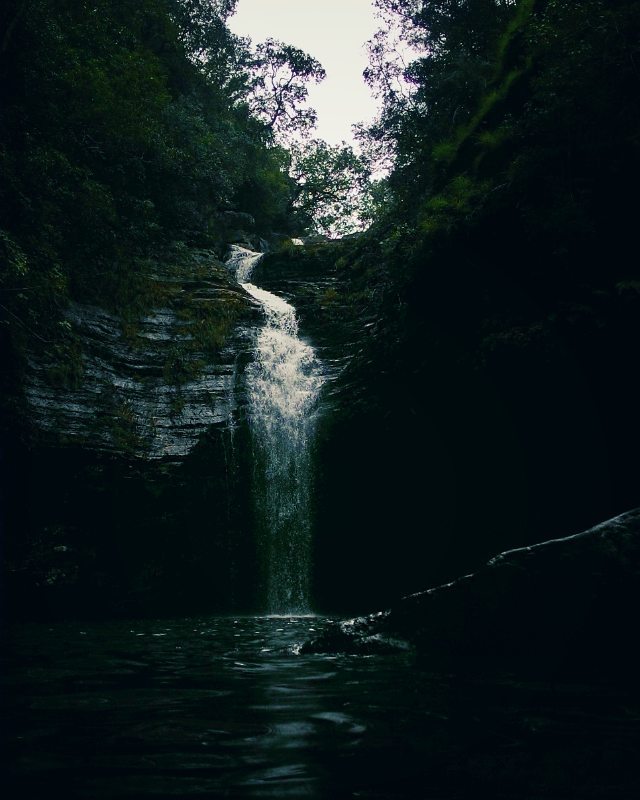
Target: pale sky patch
(332,31)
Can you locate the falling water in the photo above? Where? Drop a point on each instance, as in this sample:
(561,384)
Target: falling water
(283,384)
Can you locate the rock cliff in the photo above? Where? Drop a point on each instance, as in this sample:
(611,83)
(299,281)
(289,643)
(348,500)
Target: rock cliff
(561,605)
(126,475)
(148,386)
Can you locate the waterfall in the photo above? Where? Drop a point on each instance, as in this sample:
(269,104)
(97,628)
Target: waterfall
(241,262)
(283,383)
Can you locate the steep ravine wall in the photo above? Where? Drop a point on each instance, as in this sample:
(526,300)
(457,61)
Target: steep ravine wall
(142,394)
(366,546)
(131,493)
(444,442)
(125,488)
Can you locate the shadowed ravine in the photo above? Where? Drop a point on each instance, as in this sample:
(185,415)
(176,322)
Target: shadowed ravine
(283,383)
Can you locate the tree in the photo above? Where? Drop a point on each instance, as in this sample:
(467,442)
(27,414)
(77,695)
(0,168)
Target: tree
(280,74)
(221,55)
(329,184)
(124,128)
(430,64)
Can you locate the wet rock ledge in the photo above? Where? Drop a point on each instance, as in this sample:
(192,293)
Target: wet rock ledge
(566,604)
(147,383)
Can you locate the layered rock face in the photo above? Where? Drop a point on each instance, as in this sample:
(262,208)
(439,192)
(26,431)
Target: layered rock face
(310,278)
(129,493)
(564,604)
(151,387)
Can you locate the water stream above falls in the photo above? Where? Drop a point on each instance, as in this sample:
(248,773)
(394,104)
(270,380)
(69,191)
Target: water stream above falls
(283,384)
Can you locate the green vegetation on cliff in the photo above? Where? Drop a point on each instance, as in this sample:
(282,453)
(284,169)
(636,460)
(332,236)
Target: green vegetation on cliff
(123,129)
(494,401)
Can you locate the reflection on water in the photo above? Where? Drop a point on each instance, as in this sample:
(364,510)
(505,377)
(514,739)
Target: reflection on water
(225,707)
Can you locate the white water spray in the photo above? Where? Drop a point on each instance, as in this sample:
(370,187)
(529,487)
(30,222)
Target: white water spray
(283,384)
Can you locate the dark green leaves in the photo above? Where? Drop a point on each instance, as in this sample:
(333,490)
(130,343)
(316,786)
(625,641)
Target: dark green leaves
(280,74)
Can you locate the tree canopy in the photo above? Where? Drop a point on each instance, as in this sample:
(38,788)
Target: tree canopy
(127,126)
(329,184)
(279,77)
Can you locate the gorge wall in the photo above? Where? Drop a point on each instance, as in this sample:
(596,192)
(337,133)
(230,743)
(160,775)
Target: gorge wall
(470,411)
(125,475)
(428,458)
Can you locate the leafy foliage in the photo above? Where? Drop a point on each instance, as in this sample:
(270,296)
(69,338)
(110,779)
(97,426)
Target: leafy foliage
(125,127)
(280,73)
(431,64)
(501,284)
(329,185)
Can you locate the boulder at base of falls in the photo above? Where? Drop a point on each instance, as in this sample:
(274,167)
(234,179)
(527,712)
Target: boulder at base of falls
(568,604)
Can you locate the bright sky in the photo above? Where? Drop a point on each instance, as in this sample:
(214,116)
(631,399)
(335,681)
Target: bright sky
(332,31)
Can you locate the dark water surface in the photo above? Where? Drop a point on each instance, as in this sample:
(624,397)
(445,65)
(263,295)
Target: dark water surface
(225,707)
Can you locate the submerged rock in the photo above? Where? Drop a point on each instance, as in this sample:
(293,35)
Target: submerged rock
(564,604)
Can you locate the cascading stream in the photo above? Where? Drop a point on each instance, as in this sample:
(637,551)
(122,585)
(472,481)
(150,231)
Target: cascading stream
(283,385)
